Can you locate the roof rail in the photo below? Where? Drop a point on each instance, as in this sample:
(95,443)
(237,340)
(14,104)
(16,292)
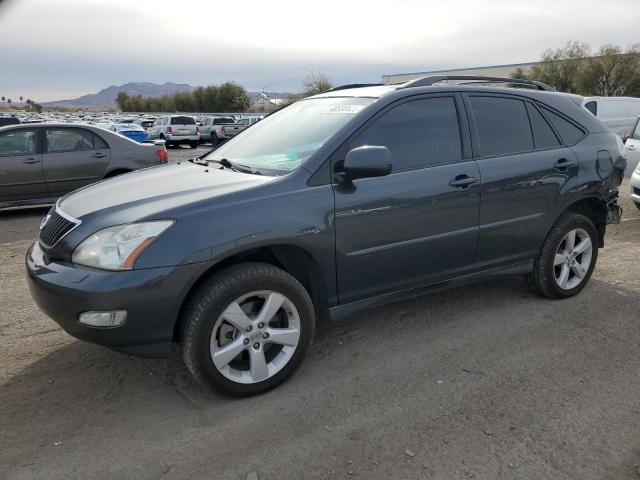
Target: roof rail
(431,80)
(353,85)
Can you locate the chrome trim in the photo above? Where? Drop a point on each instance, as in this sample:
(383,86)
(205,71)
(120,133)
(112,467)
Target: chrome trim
(75,221)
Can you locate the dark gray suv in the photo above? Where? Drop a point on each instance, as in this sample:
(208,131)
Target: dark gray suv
(342,201)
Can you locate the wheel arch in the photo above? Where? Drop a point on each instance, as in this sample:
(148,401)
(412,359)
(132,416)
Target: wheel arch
(593,208)
(293,259)
(116,172)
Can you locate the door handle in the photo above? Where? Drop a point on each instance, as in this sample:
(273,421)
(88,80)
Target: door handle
(31,160)
(563,164)
(98,155)
(462,182)
(631,147)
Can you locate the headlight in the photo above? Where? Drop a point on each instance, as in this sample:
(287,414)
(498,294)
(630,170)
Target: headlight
(116,248)
(638,169)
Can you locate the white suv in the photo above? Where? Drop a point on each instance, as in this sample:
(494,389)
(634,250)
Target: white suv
(175,130)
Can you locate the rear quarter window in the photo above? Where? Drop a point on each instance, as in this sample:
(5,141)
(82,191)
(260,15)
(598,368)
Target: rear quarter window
(570,133)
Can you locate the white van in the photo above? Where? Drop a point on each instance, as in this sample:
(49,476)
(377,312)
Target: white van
(617,113)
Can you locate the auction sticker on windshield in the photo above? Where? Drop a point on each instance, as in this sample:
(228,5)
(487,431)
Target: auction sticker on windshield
(344,109)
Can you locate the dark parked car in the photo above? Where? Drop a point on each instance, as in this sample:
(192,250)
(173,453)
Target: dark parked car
(39,163)
(4,121)
(342,201)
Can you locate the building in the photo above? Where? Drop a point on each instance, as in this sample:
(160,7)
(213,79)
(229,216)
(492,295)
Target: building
(491,71)
(263,103)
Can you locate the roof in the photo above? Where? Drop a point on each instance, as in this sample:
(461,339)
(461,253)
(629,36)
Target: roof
(429,72)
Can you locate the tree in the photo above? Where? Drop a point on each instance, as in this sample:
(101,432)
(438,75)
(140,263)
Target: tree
(316,83)
(612,72)
(121,99)
(9,102)
(3,99)
(21,99)
(562,68)
(231,97)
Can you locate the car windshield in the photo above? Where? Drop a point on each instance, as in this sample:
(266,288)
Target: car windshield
(286,139)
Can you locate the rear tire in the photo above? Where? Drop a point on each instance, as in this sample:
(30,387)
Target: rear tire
(194,144)
(214,139)
(637,205)
(567,258)
(240,317)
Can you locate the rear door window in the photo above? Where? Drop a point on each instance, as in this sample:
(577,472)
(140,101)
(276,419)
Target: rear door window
(569,132)
(182,121)
(502,124)
(543,135)
(99,143)
(419,133)
(18,142)
(60,140)
(223,121)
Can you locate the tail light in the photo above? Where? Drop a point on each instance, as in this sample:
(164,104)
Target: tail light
(197,130)
(169,130)
(164,156)
(222,130)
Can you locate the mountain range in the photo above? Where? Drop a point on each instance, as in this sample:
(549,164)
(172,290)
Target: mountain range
(106,98)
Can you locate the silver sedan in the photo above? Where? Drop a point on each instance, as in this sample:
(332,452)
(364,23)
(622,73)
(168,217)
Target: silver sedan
(41,162)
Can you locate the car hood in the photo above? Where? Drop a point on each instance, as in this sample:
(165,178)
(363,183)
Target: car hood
(153,190)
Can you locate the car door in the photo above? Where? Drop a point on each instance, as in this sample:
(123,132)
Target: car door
(525,170)
(419,224)
(631,149)
(21,174)
(73,157)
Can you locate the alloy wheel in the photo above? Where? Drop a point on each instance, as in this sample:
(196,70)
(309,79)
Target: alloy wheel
(255,336)
(573,259)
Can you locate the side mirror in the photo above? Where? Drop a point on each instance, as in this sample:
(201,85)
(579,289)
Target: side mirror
(367,161)
(624,139)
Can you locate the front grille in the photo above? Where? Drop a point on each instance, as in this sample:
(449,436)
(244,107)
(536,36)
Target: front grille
(55,228)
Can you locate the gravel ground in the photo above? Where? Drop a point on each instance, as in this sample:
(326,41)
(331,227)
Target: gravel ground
(486,381)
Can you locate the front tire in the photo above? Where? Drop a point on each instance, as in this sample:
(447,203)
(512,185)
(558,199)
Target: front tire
(567,258)
(247,329)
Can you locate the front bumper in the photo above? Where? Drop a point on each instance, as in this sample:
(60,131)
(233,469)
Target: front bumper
(634,182)
(152,298)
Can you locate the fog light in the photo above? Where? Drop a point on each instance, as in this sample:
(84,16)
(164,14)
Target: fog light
(114,318)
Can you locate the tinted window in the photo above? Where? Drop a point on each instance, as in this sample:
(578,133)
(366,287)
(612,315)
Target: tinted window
(68,140)
(18,142)
(503,125)
(182,121)
(419,133)
(567,130)
(223,121)
(592,107)
(99,143)
(542,133)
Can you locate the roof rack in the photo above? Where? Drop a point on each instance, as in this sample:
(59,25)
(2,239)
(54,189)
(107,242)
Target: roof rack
(431,80)
(353,85)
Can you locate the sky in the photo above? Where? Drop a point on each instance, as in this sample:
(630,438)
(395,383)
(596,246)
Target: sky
(58,49)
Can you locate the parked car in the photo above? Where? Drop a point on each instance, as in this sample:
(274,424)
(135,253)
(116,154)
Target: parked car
(247,121)
(145,122)
(39,163)
(617,113)
(175,130)
(131,130)
(632,154)
(4,121)
(213,129)
(339,202)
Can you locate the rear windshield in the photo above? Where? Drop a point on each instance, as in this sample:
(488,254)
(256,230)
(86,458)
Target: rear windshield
(223,121)
(182,121)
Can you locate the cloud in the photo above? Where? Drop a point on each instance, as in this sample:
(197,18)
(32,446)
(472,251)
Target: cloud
(80,46)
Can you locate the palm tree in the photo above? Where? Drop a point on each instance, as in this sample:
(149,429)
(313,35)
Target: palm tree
(9,102)
(3,99)
(20,99)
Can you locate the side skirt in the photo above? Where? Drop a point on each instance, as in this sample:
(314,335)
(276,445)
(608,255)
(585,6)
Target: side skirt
(342,312)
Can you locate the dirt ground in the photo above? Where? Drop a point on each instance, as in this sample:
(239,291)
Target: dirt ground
(487,381)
